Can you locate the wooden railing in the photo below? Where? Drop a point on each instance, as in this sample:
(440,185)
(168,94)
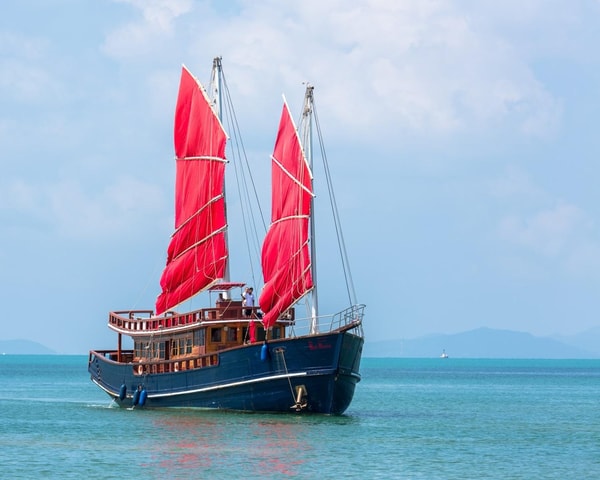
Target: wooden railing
(179,365)
(158,366)
(143,320)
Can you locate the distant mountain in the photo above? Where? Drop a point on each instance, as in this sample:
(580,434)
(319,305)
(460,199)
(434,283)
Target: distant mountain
(487,343)
(588,340)
(24,347)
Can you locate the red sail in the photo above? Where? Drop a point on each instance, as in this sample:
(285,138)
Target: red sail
(285,251)
(197,254)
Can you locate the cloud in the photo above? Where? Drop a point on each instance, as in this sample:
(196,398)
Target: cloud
(585,258)
(24,76)
(516,184)
(564,234)
(67,209)
(429,67)
(26,83)
(422,66)
(556,232)
(145,35)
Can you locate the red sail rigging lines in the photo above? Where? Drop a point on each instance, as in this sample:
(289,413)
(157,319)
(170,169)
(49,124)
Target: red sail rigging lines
(197,253)
(285,252)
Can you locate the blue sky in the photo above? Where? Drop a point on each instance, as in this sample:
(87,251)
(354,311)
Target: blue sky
(462,136)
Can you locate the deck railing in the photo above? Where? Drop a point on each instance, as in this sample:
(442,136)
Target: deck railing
(349,318)
(143,321)
(157,366)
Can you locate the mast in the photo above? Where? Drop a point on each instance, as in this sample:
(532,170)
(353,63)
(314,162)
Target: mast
(307,145)
(216,84)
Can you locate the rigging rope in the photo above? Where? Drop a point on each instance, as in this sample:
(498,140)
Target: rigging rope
(336,216)
(243,173)
(280,350)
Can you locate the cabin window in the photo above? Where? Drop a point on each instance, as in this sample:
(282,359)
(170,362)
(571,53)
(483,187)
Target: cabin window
(142,349)
(260,334)
(231,334)
(149,349)
(181,346)
(276,333)
(174,348)
(215,335)
(200,337)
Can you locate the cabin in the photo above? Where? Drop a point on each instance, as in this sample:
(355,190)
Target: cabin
(174,342)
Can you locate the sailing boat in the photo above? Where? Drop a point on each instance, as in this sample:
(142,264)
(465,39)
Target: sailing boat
(234,356)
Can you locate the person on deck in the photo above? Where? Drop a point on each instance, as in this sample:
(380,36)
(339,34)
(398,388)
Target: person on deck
(248,301)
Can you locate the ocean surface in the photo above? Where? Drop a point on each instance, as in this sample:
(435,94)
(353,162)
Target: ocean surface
(410,419)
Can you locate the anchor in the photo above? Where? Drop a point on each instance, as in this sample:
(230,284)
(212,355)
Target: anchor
(301,399)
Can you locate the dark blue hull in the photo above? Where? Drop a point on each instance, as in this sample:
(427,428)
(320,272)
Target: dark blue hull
(313,374)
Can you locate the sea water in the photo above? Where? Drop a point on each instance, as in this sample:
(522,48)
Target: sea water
(410,419)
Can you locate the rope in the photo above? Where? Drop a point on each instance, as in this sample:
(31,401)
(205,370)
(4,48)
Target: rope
(280,350)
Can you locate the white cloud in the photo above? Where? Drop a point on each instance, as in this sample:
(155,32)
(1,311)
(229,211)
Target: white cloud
(23,82)
(414,65)
(422,66)
(147,34)
(585,258)
(516,184)
(117,208)
(24,76)
(67,209)
(551,232)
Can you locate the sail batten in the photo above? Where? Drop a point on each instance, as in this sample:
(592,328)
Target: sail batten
(218,159)
(197,254)
(200,242)
(285,255)
(289,174)
(198,212)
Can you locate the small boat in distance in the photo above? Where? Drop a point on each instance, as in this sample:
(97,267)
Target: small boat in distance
(444,354)
(234,354)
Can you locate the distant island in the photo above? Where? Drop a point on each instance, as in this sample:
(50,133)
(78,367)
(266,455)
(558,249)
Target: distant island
(490,343)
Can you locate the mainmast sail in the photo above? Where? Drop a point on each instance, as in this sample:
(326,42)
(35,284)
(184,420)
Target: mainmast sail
(197,253)
(286,260)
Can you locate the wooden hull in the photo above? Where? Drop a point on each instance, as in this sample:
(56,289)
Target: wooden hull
(316,373)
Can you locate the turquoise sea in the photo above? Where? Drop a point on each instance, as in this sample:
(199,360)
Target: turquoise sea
(410,419)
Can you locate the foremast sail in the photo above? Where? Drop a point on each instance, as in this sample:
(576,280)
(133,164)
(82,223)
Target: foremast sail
(286,261)
(197,253)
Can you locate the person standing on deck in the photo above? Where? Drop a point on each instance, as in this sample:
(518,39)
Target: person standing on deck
(248,301)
